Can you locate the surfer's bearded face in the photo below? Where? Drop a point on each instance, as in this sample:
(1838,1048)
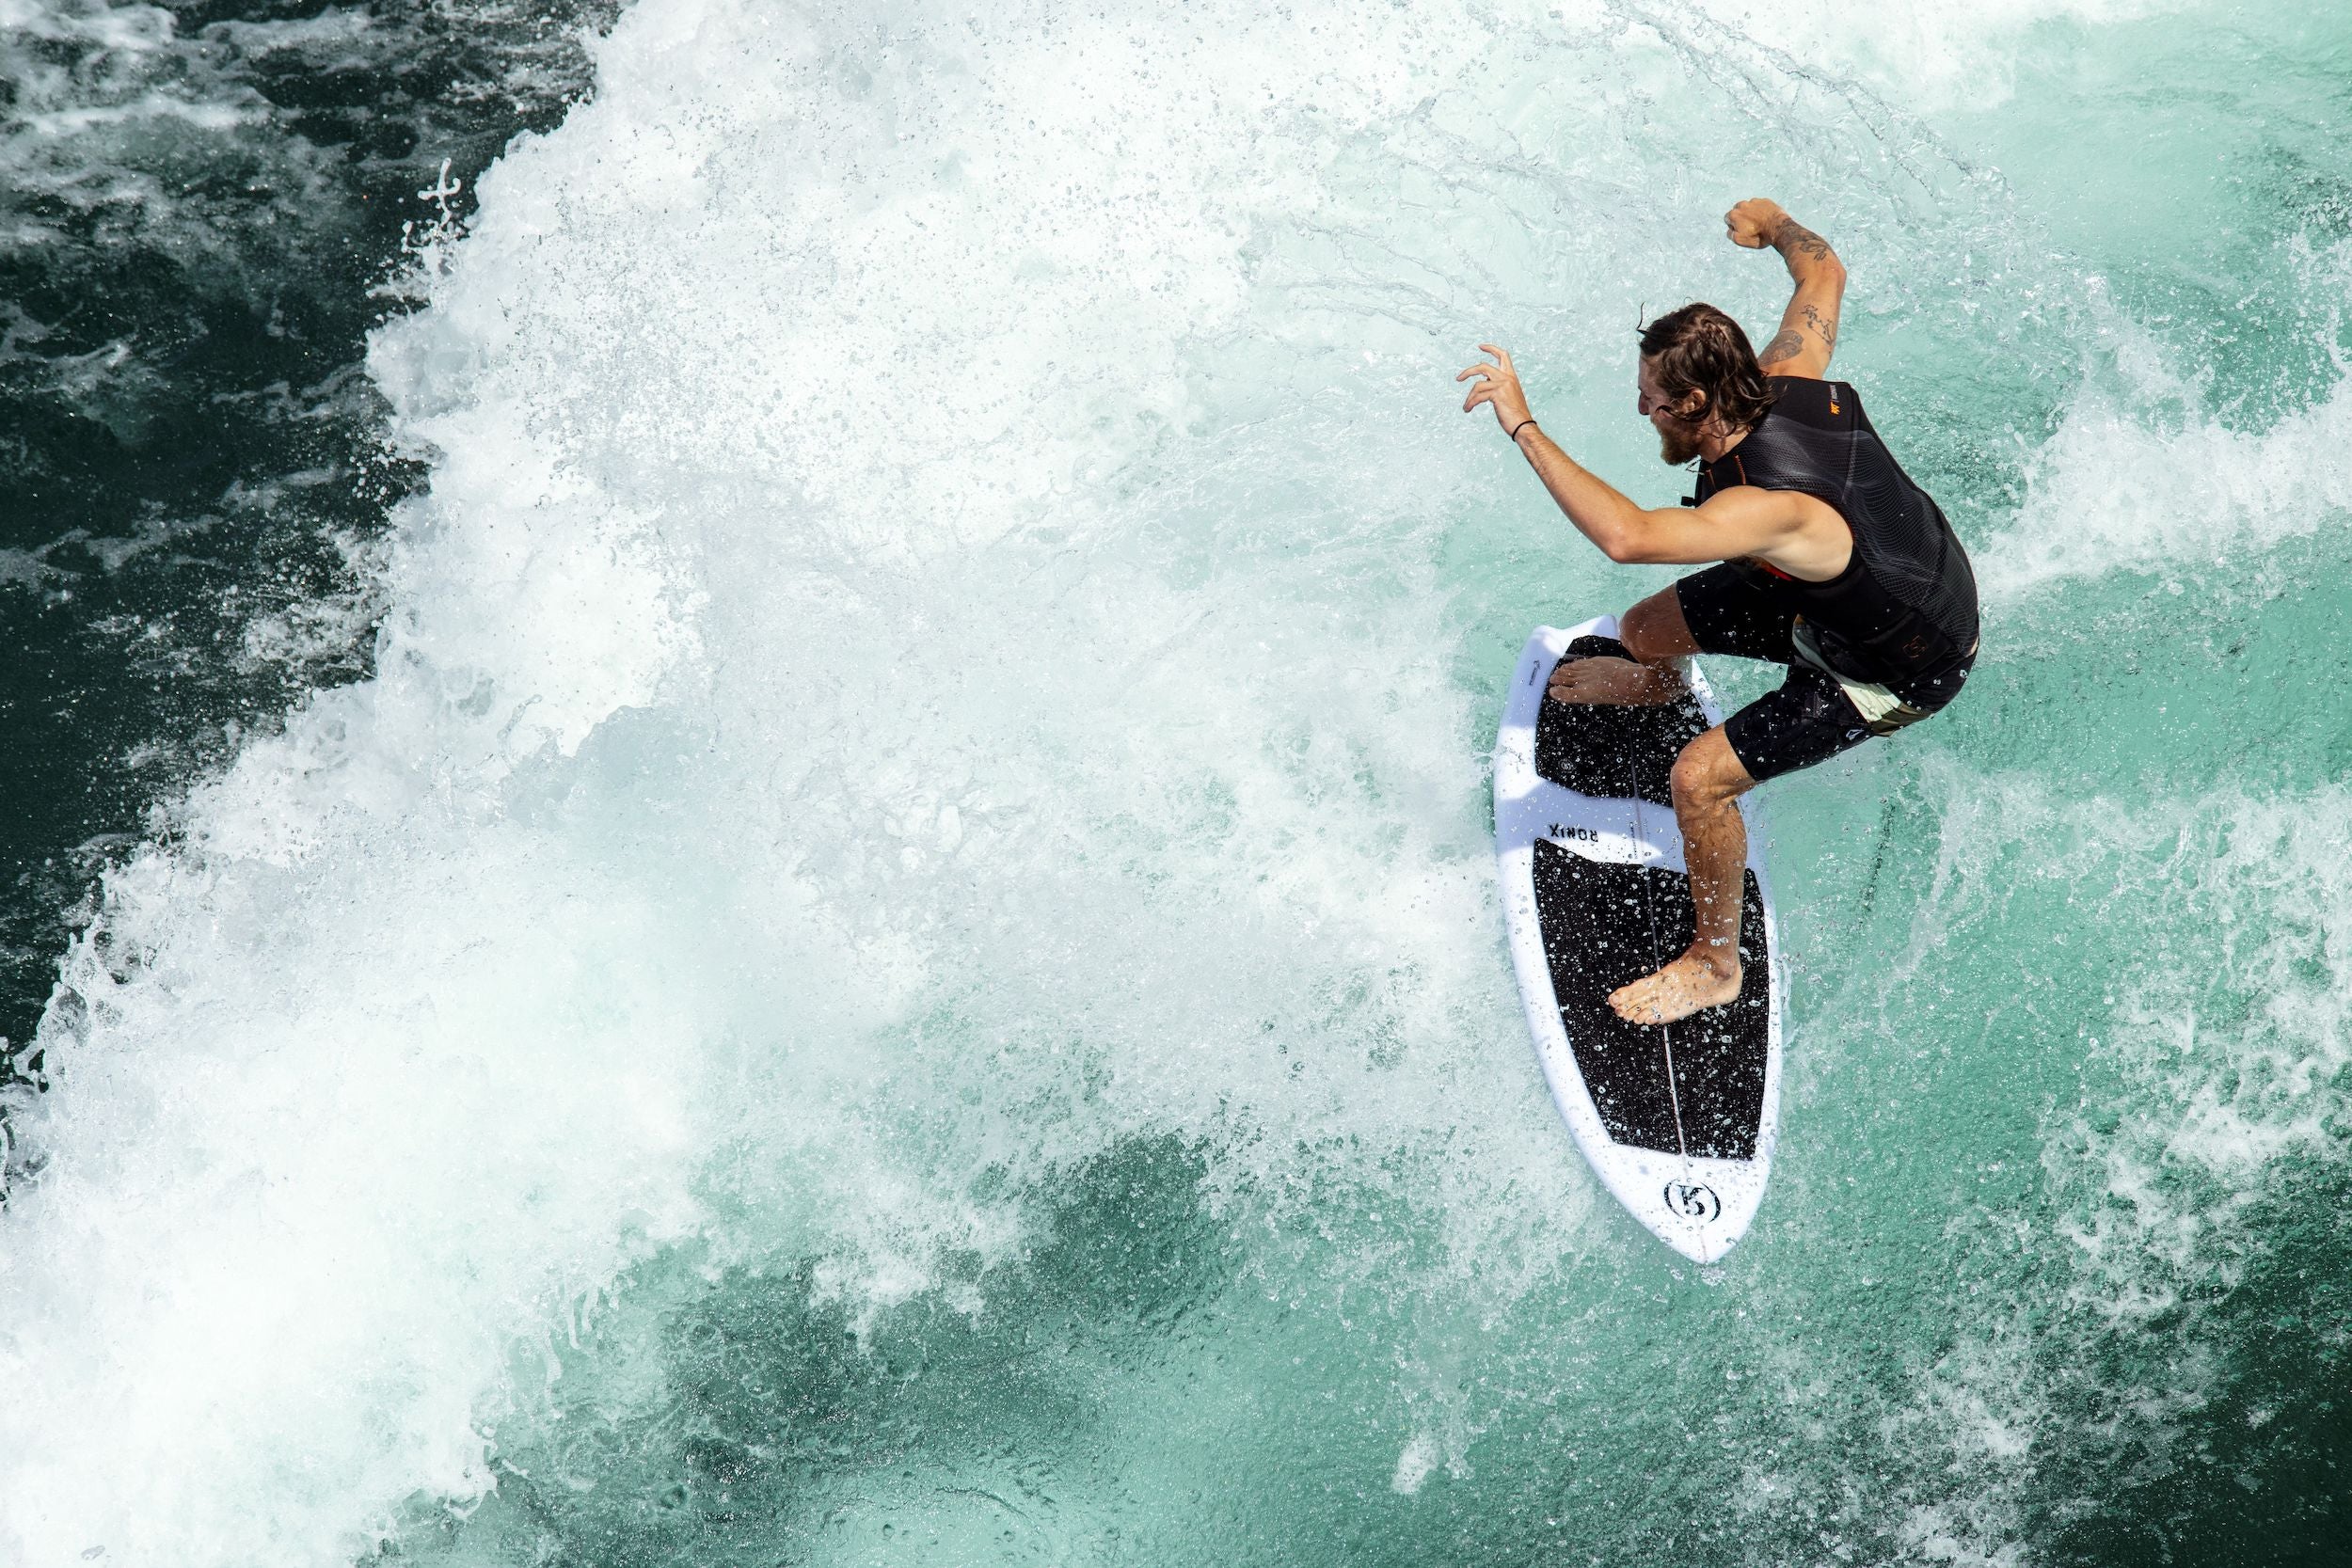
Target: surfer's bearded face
(1677,440)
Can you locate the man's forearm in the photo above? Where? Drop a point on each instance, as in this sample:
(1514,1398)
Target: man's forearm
(1599,511)
(1820,279)
(1806,252)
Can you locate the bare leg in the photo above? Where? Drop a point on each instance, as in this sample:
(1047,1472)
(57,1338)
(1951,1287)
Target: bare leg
(1709,781)
(1653,632)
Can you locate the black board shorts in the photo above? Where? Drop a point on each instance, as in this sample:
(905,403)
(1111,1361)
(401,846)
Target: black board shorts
(1731,609)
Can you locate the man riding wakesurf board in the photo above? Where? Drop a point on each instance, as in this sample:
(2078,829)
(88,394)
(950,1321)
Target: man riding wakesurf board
(1830,562)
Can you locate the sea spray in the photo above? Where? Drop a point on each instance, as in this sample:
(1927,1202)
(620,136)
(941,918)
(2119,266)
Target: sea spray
(899,955)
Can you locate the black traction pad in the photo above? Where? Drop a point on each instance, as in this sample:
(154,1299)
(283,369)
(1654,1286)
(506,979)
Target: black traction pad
(1608,751)
(1605,925)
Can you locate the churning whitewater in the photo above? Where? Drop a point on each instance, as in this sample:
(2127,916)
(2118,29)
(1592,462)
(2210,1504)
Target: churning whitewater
(897,959)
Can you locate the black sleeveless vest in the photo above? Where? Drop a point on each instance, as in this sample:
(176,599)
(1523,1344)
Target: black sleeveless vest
(1903,612)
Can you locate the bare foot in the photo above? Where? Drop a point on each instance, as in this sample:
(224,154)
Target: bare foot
(1705,976)
(1621,681)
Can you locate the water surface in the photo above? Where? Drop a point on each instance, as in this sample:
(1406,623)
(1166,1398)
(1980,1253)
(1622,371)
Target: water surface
(807,878)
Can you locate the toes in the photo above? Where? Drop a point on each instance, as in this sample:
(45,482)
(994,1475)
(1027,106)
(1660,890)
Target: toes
(1634,1002)
(1652,999)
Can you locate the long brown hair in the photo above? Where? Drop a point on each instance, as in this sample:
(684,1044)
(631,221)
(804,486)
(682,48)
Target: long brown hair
(1699,349)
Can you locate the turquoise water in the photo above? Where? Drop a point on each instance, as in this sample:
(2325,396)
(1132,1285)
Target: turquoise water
(895,959)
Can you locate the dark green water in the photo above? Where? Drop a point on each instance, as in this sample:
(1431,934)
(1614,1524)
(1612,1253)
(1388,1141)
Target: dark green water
(849,918)
(203,202)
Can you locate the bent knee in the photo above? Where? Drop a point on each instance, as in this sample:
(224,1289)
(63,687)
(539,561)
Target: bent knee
(1645,650)
(1652,632)
(1709,772)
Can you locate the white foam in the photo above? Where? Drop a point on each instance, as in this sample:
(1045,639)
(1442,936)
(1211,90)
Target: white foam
(822,751)
(2145,474)
(1930,58)
(1414,1465)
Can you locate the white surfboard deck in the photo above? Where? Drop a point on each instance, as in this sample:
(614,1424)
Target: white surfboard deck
(1690,1163)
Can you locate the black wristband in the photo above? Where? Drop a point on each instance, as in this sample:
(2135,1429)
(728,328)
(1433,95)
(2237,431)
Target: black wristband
(1523,425)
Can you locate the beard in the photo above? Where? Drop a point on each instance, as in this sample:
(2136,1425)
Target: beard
(1678,444)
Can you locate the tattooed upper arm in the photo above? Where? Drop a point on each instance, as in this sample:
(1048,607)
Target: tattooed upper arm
(1822,322)
(1786,344)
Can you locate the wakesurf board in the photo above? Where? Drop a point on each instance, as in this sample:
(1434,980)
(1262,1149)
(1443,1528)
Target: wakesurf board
(1678,1120)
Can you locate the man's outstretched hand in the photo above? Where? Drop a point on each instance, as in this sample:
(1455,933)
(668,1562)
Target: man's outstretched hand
(1754,223)
(1499,388)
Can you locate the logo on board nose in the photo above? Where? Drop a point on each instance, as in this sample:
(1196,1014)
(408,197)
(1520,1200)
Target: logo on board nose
(1693,1200)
